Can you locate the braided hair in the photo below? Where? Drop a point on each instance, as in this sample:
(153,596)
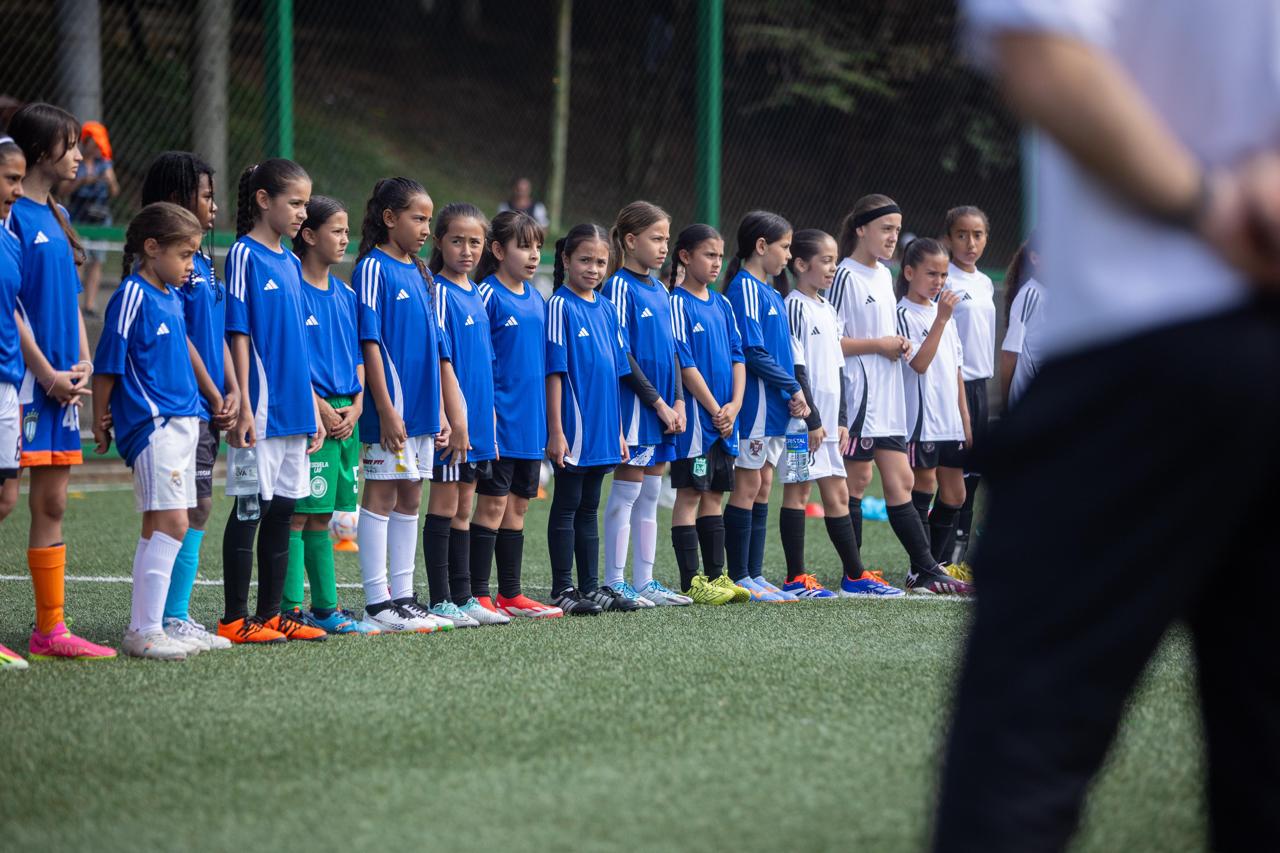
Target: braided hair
(174,176)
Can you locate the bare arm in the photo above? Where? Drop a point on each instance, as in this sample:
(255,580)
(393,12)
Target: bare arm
(102,385)
(557,447)
(697,386)
(208,388)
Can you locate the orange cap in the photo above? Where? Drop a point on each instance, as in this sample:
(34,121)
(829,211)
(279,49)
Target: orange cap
(98,132)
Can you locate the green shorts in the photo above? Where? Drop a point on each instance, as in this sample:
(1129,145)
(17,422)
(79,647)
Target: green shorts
(334,474)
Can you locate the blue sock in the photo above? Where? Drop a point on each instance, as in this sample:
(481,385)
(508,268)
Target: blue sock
(178,601)
(759,530)
(737,541)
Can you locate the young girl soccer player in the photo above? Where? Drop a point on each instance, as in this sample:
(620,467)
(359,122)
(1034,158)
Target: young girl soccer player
(862,294)
(586,356)
(184,179)
(517,317)
(407,376)
(638,247)
(712,368)
(58,368)
(1023,306)
(937,408)
(147,375)
(460,234)
(337,374)
(266,328)
(817,331)
(772,397)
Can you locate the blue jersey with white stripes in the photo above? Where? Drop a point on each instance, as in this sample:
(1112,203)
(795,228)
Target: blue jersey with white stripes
(643,308)
(396,313)
(332,341)
(585,345)
(707,339)
(144,345)
(205,309)
(49,295)
(11,368)
(762,322)
(462,315)
(264,301)
(517,330)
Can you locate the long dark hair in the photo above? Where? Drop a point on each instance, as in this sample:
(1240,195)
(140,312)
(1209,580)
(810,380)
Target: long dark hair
(690,238)
(850,225)
(446,217)
(395,195)
(805,245)
(162,221)
(320,209)
(46,132)
(913,255)
(632,219)
(1021,270)
(507,227)
(272,175)
(756,224)
(566,245)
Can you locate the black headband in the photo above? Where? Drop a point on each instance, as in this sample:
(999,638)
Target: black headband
(875,213)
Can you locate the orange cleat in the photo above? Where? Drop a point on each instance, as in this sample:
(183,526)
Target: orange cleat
(250,630)
(296,625)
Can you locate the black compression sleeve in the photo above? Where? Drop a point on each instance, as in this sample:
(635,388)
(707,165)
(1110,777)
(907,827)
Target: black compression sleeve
(640,384)
(814,419)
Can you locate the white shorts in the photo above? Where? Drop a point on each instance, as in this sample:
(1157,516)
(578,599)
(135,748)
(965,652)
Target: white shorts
(283,468)
(754,452)
(10,431)
(827,461)
(413,462)
(164,473)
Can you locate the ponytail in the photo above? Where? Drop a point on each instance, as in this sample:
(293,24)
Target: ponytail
(320,209)
(273,176)
(805,245)
(632,219)
(509,226)
(868,204)
(566,245)
(162,221)
(395,195)
(913,255)
(756,224)
(690,238)
(1021,269)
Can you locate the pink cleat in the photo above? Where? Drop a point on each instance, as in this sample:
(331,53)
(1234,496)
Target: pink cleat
(11,660)
(61,643)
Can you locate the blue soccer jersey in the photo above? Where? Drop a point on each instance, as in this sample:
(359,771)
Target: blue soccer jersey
(144,345)
(585,345)
(762,322)
(205,310)
(264,301)
(643,308)
(465,322)
(333,344)
(11,368)
(396,313)
(48,296)
(517,330)
(706,338)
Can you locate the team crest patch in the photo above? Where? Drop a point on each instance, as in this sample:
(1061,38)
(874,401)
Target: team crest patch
(866,443)
(29,422)
(928,447)
(319,487)
(756,447)
(175,478)
(700,466)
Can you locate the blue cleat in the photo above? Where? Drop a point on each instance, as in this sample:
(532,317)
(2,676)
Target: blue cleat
(807,587)
(345,622)
(869,585)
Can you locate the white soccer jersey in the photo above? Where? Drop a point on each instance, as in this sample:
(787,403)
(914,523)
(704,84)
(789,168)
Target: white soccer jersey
(933,397)
(863,299)
(1026,305)
(975,320)
(816,331)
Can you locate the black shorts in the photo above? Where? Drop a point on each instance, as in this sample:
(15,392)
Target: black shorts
(975,394)
(864,449)
(206,456)
(930,454)
(519,477)
(711,472)
(461,472)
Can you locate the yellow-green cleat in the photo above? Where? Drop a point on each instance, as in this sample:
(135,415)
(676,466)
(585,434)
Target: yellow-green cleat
(740,595)
(960,571)
(703,591)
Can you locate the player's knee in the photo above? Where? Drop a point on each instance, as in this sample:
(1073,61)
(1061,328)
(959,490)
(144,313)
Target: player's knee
(198,515)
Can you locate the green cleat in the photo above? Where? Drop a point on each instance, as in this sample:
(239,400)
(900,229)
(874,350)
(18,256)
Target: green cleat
(703,591)
(740,595)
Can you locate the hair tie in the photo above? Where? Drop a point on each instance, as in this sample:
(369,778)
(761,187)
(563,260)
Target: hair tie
(875,213)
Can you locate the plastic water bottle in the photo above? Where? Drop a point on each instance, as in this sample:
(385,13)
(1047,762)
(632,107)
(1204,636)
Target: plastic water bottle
(797,470)
(244,482)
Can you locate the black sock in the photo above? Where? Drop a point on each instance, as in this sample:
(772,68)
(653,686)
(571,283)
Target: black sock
(791,526)
(684,539)
(921,501)
(737,541)
(273,554)
(759,536)
(964,521)
(237,566)
(435,550)
(855,516)
(509,554)
(942,528)
(460,565)
(840,531)
(586,533)
(564,504)
(483,540)
(906,525)
(711,539)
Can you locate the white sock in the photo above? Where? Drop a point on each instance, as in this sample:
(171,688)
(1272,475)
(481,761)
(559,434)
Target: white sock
(137,604)
(402,546)
(617,528)
(644,520)
(371,532)
(151,581)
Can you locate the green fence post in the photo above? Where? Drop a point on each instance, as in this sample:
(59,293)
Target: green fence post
(279,77)
(710,88)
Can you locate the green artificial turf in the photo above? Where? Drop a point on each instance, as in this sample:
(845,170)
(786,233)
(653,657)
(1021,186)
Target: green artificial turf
(753,727)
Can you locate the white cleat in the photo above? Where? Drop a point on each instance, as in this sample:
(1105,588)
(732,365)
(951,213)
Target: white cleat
(154,645)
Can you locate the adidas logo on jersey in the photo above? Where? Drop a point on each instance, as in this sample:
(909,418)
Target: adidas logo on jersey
(646,313)
(967,296)
(40,238)
(870,300)
(271,285)
(312,321)
(511,321)
(815,331)
(773,312)
(403,294)
(697,327)
(469,322)
(583,333)
(163,330)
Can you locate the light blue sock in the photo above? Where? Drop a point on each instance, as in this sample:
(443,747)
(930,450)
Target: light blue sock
(178,601)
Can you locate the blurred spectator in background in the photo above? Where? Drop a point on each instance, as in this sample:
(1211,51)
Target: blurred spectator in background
(89,197)
(521,199)
(8,106)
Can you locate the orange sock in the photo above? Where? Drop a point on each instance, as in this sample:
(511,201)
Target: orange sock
(48,565)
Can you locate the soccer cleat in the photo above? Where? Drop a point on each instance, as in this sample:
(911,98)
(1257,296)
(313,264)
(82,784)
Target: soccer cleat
(522,605)
(10,660)
(757,591)
(611,600)
(961,571)
(297,625)
(249,630)
(868,585)
(630,593)
(483,615)
(936,582)
(155,645)
(396,619)
(741,595)
(417,609)
(571,603)
(807,586)
(345,622)
(192,632)
(450,611)
(703,591)
(61,643)
(776,590)
(655,592)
